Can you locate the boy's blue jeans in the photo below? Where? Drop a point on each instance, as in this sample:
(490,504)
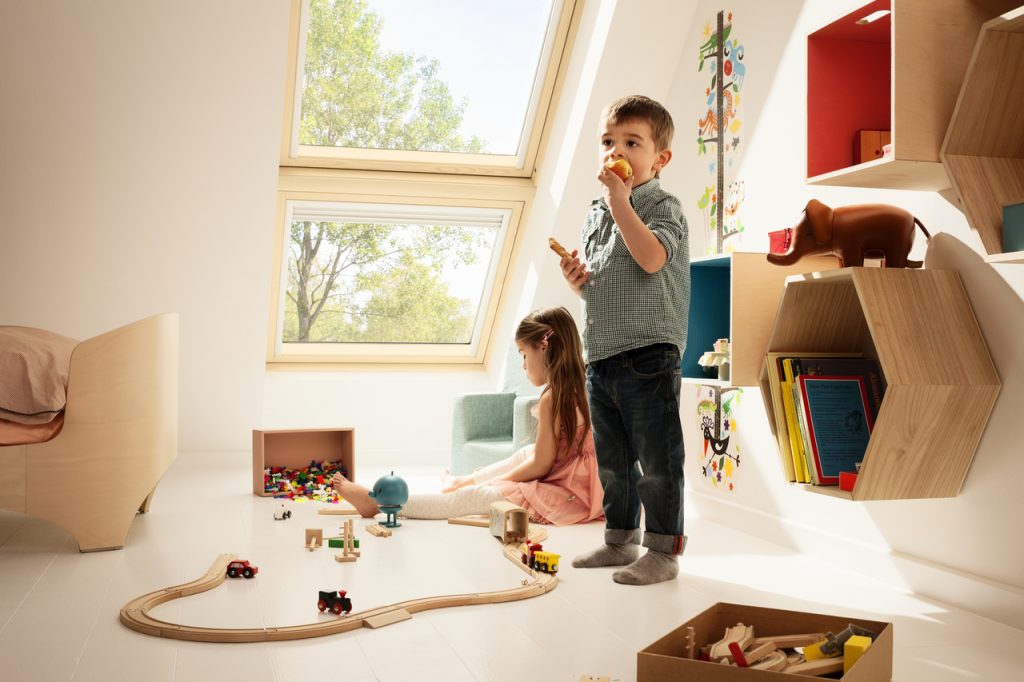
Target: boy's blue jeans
(634,407)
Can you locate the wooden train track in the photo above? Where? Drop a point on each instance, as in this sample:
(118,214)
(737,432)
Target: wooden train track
(135,614)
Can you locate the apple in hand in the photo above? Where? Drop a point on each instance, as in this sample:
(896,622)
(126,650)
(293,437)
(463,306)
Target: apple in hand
(620,167)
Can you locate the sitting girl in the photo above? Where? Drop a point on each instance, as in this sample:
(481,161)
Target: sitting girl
(555,479)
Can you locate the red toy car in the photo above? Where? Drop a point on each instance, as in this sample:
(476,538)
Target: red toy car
(244,568)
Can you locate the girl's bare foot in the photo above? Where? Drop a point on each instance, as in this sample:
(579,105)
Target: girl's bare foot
(356,494)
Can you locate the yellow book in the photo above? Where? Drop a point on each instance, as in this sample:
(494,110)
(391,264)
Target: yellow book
(796,442)
(777,414)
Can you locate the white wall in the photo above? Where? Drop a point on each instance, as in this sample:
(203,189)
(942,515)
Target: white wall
(957,550)
(138,164)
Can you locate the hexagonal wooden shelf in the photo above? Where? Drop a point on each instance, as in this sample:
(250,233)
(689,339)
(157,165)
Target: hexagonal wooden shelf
(942,385)
(983,152)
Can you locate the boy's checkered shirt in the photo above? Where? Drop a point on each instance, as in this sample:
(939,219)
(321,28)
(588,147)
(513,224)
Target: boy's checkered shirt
(625,307)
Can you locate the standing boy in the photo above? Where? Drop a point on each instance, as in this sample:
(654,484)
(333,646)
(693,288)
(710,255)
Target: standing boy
(636,293)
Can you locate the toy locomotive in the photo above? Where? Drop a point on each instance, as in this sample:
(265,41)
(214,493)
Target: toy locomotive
(336,601)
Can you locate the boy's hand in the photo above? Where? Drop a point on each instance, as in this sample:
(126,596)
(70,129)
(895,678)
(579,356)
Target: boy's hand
(615,188)
(575,272)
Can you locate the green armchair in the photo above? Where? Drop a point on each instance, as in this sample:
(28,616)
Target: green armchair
(487,427)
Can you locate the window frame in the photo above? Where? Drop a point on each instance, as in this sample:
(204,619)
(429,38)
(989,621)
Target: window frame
(555,51)
(404,177)
(320,185)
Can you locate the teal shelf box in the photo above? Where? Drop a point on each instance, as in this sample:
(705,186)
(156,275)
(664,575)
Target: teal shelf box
(710,303)
(1013,228)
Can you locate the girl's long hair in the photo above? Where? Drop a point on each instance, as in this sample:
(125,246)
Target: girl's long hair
(566,375)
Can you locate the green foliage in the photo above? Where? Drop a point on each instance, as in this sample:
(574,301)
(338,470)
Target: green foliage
(363,282)
(357,95)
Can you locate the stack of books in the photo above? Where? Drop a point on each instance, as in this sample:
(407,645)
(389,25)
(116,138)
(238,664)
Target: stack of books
(825,406)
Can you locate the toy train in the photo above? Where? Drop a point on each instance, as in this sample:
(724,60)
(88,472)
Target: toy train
(336,601)
(534,556)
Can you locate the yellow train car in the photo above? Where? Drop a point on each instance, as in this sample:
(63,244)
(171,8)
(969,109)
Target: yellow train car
(534,556)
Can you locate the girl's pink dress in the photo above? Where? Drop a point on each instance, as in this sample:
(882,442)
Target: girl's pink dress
(570,493)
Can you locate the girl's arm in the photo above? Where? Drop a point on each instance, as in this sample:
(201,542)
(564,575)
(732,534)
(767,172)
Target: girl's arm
(540,462)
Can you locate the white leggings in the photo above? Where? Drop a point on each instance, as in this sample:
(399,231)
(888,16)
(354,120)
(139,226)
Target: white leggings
(473,499)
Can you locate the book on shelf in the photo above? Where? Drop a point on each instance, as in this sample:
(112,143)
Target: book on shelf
(837,415)
(833,365)
(773,372)
(783,416)
(794,424)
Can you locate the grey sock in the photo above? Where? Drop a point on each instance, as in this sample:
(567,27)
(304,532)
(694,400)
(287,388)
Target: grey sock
(653,567)
(608,555)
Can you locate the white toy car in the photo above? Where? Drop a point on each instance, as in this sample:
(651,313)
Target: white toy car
(282,513)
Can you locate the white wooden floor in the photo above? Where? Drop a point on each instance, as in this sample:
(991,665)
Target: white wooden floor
(59,609)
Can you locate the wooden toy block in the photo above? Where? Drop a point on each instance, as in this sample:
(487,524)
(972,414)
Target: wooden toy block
(691,636)
(853,649)
(378,530)
(477,520)
(737,655)
(813,652)
(773,662)
(755,654)
(314,538)
(790,641)
(739,633)
(341,509)
(822,666)
(387,618)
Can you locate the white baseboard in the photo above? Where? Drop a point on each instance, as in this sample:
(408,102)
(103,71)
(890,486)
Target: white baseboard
(967,591)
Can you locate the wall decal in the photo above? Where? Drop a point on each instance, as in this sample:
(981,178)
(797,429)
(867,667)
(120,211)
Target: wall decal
(719,128)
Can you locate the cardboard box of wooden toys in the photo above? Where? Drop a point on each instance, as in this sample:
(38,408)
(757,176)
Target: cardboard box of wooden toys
(669,658)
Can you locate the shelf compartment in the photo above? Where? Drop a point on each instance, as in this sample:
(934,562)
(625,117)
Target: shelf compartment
(983,151)
(900,73)
(296,448)
(942,385)
(735,296)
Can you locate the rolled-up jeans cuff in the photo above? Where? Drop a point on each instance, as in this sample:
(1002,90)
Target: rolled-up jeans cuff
(666,544)
(620,536)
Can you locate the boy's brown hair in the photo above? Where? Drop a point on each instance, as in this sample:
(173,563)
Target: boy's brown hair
(638,107)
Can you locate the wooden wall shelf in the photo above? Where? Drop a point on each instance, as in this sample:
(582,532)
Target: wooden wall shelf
(984,147)
(900,73)
(942,385)
(735,296)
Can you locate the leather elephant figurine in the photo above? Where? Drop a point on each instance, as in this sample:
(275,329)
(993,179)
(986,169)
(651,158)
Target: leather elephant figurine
(850,232)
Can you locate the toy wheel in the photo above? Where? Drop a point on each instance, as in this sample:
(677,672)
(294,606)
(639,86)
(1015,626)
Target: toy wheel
(336,608)
(233,572)
(348,610)
(322,605)
(543,567)
(554,568)
(247,573)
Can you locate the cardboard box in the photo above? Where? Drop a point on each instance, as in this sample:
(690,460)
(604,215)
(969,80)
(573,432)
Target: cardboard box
(665,659)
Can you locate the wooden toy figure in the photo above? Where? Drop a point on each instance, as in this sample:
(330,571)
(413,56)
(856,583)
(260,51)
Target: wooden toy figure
(850,232)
